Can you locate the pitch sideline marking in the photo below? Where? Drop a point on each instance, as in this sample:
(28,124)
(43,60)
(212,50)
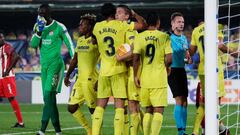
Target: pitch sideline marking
(73,128)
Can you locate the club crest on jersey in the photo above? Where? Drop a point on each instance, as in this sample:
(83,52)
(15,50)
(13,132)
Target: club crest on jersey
(50,33)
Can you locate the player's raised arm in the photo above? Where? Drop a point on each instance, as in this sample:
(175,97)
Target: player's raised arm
(141,22)
(226,49)
(39,27)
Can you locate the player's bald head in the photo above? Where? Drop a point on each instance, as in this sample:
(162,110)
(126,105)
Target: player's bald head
(45,11)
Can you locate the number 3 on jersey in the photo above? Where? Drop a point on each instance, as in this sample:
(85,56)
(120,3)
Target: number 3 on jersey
(110,43)
(150,52)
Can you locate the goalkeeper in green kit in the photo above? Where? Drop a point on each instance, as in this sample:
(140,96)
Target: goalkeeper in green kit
(49,35)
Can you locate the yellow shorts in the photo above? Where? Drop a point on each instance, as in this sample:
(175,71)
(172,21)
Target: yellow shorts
(112,86)
(133,92)
(221,87)
(154,97)
(83,91)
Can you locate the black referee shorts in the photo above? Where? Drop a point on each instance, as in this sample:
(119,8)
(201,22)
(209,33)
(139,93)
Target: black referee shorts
(177,81)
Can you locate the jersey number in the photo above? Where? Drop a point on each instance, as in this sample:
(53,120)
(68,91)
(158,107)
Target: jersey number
(150,52)
(110,43)
(201,40)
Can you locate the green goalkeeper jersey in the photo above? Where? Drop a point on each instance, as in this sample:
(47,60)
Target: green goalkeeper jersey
(51,41)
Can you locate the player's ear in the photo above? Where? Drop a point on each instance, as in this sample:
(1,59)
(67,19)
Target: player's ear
(172,23)
(127,17)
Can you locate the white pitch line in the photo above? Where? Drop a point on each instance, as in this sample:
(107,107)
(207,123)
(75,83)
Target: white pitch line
(73,128)
(50,130)
(190,113)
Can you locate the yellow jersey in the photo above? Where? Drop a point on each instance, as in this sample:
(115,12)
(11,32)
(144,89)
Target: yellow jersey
(198,40)
(130,36)
(110,35)
(153,45)
(87,54)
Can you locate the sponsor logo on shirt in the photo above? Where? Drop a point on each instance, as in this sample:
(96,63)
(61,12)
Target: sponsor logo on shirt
(83,48)
(46,41)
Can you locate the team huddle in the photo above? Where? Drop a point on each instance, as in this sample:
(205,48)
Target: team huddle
(131,61)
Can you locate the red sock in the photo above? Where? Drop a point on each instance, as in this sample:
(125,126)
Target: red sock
(17,111)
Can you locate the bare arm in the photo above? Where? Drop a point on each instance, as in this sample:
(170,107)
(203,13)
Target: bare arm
(225,49)
(192,50)
(141,22)
(136,64)
(14,59)
(168,60)
(73,64)
(125,57)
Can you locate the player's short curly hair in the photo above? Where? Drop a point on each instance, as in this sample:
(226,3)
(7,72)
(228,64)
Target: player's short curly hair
(108,10)
(91,18)
(152,19)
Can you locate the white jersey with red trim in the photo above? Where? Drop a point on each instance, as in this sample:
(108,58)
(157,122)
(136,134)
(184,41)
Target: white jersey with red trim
(6,52)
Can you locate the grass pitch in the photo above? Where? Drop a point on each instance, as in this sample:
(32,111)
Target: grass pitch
(32,117)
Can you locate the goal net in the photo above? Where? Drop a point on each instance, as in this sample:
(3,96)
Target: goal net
(229,17)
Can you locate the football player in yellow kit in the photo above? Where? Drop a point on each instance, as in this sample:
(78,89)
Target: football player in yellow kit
(197,43)
(123,13)
(110,34)
(152,49)
(85,58)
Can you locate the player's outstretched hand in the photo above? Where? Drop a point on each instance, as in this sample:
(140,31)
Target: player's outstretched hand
(137,82)
(188,58)
(41,23)
(66,81)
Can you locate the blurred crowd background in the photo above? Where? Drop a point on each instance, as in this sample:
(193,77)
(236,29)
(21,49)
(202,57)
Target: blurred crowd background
(17,22)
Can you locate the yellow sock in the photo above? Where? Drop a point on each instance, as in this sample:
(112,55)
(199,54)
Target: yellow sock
(156,123)
(198,119)
(147,119)
(97,120)
(79,116)
(119,121)
(126,124)
(135,121)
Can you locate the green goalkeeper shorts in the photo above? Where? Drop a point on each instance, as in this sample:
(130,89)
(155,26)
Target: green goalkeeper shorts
(52,76)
